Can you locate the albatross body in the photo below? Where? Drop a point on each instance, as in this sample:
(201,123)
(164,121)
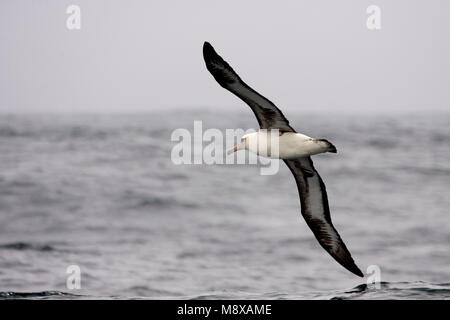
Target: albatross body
(294,148)
(291,145)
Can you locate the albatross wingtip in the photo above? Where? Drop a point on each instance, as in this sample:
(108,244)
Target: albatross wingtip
(209,54)
(357,271)
(352,267)
(207,48)
(345,259)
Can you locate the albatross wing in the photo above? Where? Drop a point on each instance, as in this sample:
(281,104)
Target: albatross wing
(267,114)
(315,210)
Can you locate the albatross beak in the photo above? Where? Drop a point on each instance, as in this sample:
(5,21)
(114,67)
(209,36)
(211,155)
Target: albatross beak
(235,148)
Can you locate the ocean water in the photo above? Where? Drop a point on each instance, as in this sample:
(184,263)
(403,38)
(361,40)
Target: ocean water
(101,192)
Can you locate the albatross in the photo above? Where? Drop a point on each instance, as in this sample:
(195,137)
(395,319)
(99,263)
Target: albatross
(295,149)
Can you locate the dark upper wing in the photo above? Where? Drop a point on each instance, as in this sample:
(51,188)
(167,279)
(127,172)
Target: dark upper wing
(315,210)
(268,115)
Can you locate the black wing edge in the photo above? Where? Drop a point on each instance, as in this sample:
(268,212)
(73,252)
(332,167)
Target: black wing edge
(220,74)
(267,114)
(342,254)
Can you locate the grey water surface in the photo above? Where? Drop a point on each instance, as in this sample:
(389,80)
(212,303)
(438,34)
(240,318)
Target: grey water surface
(101,192)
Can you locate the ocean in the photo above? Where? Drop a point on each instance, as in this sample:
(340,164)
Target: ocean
(101,192)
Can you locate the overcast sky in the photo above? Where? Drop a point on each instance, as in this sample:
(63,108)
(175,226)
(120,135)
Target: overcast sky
(132,56)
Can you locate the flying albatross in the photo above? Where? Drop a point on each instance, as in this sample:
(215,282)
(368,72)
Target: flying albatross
(295,149)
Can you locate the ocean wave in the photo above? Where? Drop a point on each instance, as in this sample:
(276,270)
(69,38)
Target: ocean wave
(383,144)
(145,202)
(427,171)
(8,132)
(37,295)
(397,290)
(27,246)
(383,291)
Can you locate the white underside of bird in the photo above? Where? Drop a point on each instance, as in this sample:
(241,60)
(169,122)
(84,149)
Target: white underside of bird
(287,145)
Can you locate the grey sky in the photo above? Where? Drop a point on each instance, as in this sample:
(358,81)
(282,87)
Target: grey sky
(134,56)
